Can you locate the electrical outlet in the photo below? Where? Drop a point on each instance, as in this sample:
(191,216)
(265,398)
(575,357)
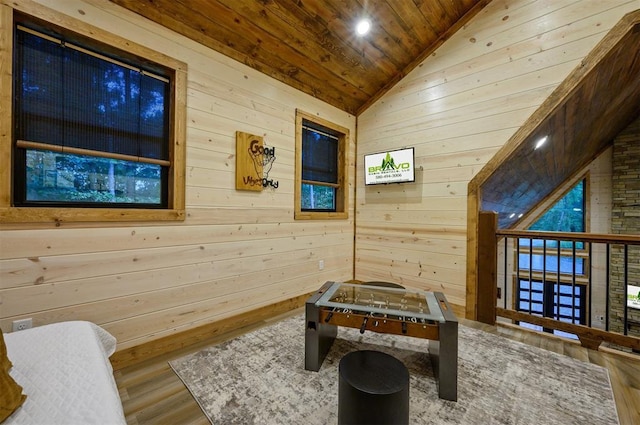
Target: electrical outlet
(321,265)
(22,324)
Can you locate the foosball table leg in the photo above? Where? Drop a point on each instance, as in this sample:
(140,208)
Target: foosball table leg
(318,336)
(447,373)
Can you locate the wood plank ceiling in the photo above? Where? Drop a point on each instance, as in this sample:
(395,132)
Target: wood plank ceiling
(312,45)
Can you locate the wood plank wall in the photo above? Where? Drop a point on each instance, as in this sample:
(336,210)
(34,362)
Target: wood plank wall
(457,109)
(235,252)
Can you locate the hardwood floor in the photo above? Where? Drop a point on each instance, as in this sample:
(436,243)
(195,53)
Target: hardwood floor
(151,393)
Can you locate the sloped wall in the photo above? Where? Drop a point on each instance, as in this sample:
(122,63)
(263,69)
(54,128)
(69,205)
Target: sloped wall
(458,108)
(235,252)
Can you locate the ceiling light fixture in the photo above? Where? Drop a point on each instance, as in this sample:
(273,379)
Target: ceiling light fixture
(363,27)
(541,142)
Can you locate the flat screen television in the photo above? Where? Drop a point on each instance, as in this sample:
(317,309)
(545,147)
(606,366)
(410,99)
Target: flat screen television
(395,166)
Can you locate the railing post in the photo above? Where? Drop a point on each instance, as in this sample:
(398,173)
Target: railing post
(487,292)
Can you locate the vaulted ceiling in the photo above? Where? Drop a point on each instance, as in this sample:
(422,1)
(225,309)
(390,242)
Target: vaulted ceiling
(312,45)
(580,119)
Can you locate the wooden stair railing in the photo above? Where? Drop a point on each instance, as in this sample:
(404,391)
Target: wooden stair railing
(487,285)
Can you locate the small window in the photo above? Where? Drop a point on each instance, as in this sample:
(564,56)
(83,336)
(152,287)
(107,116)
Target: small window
(320,162)
(95,127)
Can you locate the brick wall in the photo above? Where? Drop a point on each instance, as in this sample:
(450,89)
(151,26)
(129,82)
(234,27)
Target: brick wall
(625,219)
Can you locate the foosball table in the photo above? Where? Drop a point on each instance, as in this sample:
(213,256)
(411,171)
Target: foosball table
(398,311)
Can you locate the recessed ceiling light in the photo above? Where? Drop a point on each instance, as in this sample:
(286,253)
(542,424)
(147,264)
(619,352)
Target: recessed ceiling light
(541,142)
(512,215)
(363,27)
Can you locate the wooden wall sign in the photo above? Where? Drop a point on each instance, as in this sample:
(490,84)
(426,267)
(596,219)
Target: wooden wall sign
(249,171)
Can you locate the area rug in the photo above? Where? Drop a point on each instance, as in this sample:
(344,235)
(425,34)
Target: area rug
(259,378)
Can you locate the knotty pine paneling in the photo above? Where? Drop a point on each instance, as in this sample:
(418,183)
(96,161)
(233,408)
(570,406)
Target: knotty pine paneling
(51,269)
(45,243)
(458,108)
(236,251)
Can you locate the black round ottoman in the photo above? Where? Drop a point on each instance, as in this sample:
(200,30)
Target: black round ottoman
(373,389)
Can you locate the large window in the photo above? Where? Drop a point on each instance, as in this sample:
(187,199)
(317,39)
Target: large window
(94,127)
(552,276)
(89,130)
(320,168)
(560,301)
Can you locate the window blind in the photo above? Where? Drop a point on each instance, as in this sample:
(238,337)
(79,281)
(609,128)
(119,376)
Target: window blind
(77,101)
(319,155)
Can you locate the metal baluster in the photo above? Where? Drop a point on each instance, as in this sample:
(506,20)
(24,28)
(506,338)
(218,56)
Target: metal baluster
(589,283)
(626,288)
(545,312)
(517,307)
(558,279)
(531,276)
(506,258)
(573,282)
(608,283)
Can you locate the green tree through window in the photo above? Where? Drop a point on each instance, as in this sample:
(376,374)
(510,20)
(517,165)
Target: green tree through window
(566,215)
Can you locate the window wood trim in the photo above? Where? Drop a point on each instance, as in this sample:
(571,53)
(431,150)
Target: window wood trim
(177,131)
(342,200)
(81,151)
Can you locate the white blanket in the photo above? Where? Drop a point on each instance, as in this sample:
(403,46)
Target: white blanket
(65,372)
